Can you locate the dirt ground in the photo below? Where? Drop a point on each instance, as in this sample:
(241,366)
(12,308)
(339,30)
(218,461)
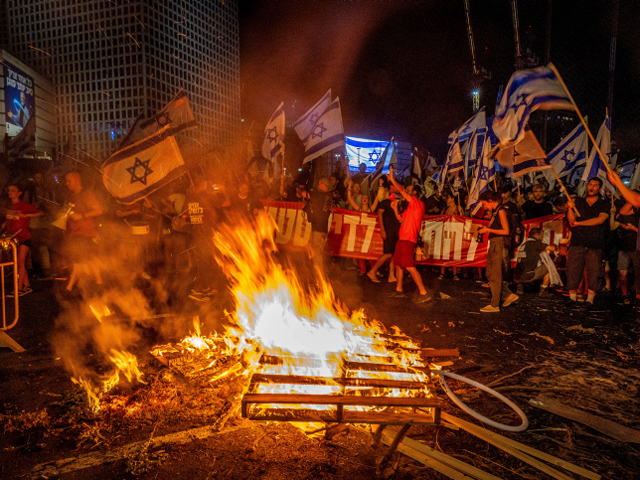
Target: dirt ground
(586,358)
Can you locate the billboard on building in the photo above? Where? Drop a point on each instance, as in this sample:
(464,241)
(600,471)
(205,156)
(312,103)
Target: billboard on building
(19,98)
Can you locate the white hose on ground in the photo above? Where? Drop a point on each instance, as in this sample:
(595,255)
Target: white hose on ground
(473,413)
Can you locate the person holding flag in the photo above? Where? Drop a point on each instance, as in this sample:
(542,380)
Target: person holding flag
(587,239)
(498,252)
(633,198)
(404,255)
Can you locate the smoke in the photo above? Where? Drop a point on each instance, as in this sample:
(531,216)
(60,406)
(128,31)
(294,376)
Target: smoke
(296,51)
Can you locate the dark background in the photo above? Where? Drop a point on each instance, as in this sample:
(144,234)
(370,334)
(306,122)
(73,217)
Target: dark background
(404,68)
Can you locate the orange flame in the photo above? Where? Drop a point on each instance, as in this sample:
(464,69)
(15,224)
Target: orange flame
(305,327)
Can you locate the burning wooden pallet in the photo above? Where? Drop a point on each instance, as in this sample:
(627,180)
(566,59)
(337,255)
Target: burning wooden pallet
(364,392)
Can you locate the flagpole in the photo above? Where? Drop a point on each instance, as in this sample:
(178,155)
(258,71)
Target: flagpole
(602,158)
(564,189)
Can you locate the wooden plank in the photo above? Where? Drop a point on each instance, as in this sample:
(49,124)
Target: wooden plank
(441,457)
(7,341)
(331,416)
(68,465)
(442,352)
(340,400)
(348,382)
(518,449)
(612,429)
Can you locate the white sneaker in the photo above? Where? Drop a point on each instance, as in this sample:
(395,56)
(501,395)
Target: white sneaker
(490,309)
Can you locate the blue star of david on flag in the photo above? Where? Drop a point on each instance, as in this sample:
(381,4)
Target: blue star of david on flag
(314,118)
(146,171)
(318,130)
(374,156)
(568,155)
(521,101)
(272,134)
(485,173)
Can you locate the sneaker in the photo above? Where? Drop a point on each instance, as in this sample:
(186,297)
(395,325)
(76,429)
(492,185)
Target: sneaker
(396,294)
(422,298)
(373,277)
(544,292)
(520,289)
(440,277)
(510,299)
(490,309)
(24,291)
(486,285)
(456,277)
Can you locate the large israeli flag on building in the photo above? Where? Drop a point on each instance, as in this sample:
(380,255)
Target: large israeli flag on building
(595,165)
(569,153)
(362,150)
(527,91)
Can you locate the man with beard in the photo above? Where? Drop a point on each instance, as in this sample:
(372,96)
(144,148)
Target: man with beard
(587,239)
(410,222)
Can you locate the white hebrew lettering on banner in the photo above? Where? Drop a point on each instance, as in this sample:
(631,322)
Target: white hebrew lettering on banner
(284,232)
(300,237)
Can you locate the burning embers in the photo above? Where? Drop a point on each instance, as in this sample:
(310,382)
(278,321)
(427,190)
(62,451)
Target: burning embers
(299,354)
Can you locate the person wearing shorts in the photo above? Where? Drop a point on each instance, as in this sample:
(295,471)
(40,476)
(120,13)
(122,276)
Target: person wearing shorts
(389,231)
(410,223)
(18,216)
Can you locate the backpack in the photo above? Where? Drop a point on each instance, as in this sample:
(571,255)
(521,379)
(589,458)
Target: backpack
(516,227)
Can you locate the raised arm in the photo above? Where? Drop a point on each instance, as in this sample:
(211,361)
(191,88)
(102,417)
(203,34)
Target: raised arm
(630,196)
(400,188)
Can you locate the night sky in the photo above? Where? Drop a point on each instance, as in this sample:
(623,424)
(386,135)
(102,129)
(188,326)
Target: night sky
(404,68)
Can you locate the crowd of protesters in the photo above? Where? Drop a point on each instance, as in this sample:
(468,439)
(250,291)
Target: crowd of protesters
(60,227)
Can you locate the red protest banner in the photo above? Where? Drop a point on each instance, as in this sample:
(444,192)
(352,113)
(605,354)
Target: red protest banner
(447,240)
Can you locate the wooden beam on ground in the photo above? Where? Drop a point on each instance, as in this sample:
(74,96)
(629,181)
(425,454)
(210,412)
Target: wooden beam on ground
(94,459)
(612,429)
(417,447)
(7,341)
(522,451)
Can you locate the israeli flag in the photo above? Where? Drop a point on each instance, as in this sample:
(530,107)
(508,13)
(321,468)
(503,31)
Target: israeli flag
(273,139)
(306,122)
(634,182)
(326,134)
(569,153)
(595,165)
(476,123)
(527,91)
(362,150)
(484,176)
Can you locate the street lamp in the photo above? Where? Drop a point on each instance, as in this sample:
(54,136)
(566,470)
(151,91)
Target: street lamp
(475,95)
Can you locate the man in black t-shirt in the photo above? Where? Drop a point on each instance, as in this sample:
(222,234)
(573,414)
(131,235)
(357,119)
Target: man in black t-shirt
(318,210)
(625,224)
(538,207)
(587,239)
(389,231)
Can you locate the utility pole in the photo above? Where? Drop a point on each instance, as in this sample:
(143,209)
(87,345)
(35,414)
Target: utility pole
(547,59)
(612,57)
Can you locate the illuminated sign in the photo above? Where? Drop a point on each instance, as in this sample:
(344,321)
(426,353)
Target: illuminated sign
(19,98)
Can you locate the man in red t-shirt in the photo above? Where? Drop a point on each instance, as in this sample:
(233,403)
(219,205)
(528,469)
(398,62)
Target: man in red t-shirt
(410,222)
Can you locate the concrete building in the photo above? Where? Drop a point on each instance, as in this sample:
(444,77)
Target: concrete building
(112,61)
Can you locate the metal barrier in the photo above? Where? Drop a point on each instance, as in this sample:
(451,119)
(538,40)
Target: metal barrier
(9,243)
